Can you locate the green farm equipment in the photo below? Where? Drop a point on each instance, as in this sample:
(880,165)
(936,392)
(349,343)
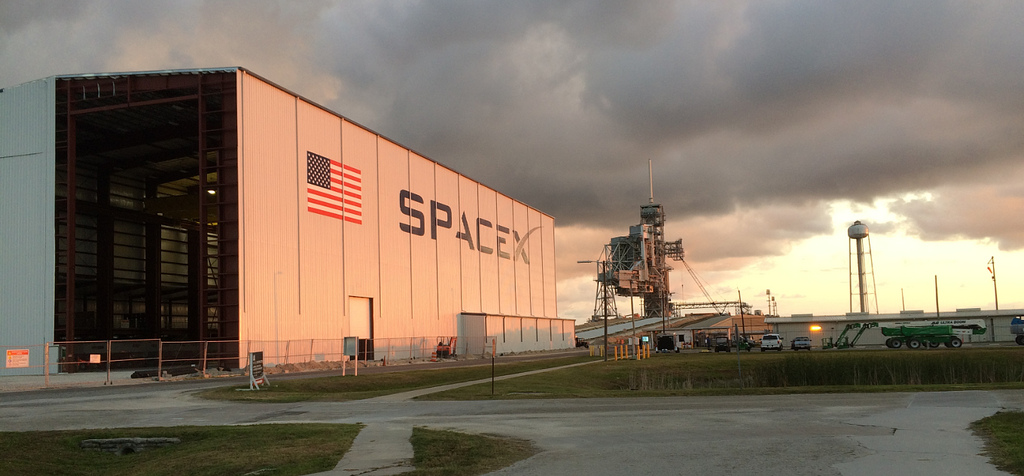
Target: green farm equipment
(918,336)
(844,342)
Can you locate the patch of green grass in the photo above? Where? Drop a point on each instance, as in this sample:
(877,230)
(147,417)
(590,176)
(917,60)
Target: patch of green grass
(279,449)
(933,367)
(763,374)
(1004,440)
(337,388)
(449,453)
(681,374)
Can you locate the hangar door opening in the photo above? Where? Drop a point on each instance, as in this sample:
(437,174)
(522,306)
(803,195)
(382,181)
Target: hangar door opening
(360,324)
(146,207)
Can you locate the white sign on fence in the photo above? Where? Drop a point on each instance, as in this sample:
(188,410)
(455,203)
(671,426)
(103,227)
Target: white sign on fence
(17,358)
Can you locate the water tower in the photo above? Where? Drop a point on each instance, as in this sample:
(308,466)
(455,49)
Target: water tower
(858,233)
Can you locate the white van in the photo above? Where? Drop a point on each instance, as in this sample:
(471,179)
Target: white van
(771,342)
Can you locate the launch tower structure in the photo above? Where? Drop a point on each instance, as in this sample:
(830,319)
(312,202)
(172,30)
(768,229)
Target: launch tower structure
(637,264)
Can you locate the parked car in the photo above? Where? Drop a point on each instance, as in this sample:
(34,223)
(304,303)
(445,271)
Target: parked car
(771,342)
(800,343)
(722,344)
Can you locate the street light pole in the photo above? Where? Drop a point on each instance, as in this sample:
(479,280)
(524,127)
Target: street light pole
(743,322)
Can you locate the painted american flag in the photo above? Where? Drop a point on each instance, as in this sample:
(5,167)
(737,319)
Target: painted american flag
(334,190)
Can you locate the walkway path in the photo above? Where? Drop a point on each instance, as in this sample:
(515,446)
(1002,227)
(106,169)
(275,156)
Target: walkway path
(383,448)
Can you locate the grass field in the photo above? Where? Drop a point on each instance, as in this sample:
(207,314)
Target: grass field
(449,453)
(216,450)
(680,374)
(766,373)
(277,449)
(338,388)
(1004,440)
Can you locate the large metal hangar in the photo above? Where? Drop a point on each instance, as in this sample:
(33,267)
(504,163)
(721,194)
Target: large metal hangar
(214,205)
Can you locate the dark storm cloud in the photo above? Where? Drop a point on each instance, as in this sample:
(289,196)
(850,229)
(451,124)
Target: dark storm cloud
(772,102)
(745,108)
(982,212)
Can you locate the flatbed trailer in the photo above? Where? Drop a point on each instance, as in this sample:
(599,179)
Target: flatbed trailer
(924,334)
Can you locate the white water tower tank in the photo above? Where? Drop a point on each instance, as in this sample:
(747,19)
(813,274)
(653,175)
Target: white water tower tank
(858,230)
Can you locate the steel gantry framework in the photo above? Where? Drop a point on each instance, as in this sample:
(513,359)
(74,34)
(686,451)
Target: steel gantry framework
(636,264)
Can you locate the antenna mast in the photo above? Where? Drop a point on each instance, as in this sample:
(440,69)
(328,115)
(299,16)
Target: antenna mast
(650,173)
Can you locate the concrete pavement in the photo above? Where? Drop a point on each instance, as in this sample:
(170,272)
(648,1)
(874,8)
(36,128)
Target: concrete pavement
(839,434)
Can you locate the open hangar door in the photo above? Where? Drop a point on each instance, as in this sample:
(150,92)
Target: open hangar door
(146,206)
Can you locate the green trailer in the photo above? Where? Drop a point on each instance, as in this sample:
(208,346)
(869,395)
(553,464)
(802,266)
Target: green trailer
(924,336)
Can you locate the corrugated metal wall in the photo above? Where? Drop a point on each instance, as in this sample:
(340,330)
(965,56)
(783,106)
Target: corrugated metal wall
(468,203)
(419,241)
(396,255)
(268,222)
(27,194)
(520,260)
(536,252)
(547,236)
(321,240)
(486,239)
(449,267)
(423,246)
(362,239)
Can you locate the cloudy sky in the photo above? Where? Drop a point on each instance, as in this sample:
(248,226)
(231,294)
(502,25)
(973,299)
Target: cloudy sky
(771,125)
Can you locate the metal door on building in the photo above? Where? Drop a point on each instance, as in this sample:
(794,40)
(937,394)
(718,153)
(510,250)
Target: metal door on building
(360,324)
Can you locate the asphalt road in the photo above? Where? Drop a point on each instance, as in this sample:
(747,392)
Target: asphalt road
(837,434)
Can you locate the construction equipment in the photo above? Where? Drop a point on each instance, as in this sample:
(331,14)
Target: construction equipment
(844,342)
(446,348)
(924,334)
(1017,327)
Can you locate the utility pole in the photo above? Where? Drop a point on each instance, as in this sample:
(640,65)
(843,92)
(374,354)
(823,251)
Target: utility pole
(743,322)
(992,269)
(632,313)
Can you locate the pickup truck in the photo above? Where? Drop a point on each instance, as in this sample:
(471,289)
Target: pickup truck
(800,343)
(771,342)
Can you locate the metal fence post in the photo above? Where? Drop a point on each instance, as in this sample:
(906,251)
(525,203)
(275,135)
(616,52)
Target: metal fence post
(206,348)
(159,360)
(108,364)
(46,364)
